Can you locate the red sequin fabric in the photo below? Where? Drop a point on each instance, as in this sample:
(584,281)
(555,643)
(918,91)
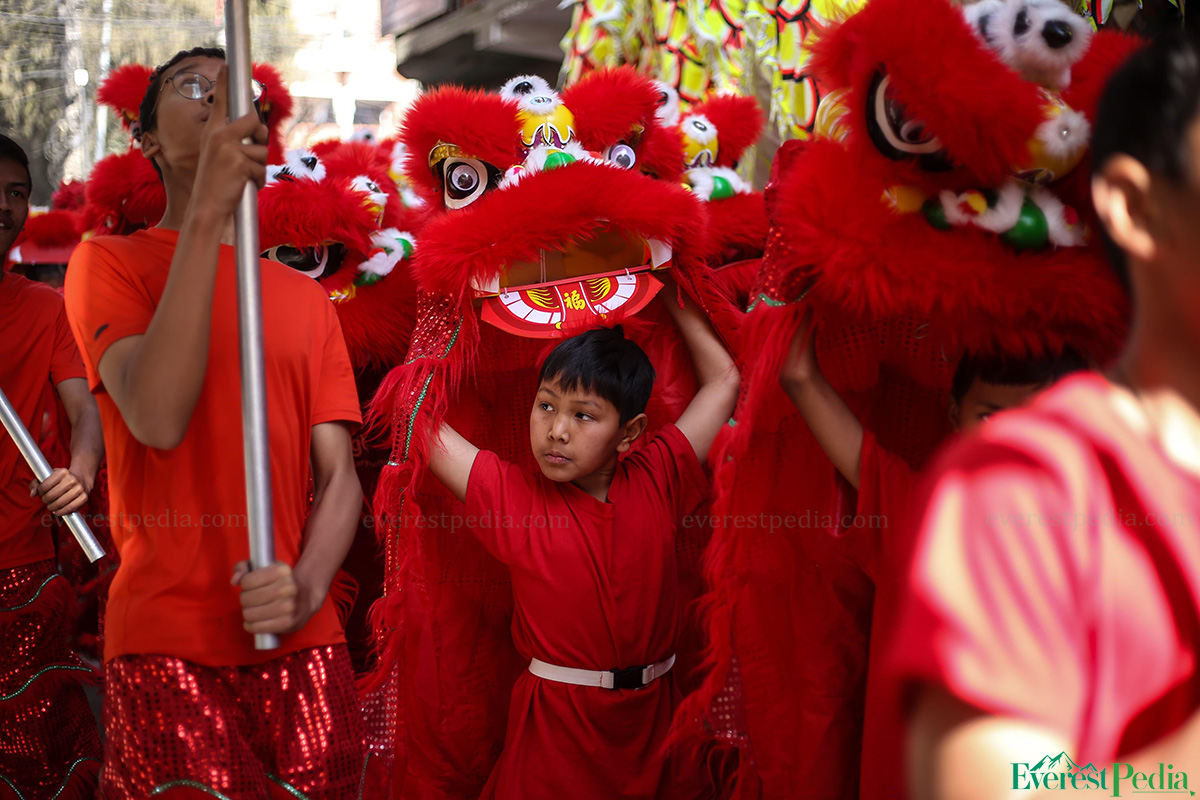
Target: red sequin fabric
(290,727)
(49,742)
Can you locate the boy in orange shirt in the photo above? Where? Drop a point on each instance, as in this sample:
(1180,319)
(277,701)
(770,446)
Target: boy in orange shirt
(190,704)
(591,547)
(48,737)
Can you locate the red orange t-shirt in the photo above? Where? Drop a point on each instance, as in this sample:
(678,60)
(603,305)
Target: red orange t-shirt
(1056,574)
(178,516)
(36,350)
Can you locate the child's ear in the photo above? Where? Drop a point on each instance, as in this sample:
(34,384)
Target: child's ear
(632,430)
(954,414)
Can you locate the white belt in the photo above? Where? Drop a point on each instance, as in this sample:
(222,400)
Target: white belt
(629,678)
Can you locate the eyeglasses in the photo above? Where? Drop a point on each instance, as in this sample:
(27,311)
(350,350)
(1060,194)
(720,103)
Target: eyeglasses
(194,86)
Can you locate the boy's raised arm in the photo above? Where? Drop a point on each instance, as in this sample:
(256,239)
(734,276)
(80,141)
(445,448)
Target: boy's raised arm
(838,431)
(451,461)
(716,372)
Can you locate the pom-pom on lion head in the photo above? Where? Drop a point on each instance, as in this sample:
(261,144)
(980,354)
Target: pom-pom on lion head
(1040,39)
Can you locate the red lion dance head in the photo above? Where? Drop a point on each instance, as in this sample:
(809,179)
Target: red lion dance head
(550,215)
(329,221)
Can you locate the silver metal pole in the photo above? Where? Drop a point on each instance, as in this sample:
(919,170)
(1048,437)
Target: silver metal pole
(254,387)
(41,470)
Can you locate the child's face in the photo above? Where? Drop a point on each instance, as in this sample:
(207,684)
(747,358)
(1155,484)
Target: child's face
(984,399)
(575,434)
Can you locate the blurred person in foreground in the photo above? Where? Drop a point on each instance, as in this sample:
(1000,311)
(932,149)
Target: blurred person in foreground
(1050,629)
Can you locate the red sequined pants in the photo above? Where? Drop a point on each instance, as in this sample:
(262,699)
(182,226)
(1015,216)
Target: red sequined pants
(49,743)
(290,728)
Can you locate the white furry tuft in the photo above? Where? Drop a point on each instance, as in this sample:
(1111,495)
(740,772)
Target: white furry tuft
(668,110)
(390,242)
(702,181)
(540,101)
(699,128)
(1029,52)
(1065,136)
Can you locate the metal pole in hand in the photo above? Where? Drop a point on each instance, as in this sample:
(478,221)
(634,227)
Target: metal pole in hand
(41,470)
(254,387)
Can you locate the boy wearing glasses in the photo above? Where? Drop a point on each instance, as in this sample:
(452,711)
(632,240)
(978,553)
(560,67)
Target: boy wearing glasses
(190,705)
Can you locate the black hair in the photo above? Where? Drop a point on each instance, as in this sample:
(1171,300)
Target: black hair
(603,361)
(1012,371)
(14,152)
(1146,111)
(148,110)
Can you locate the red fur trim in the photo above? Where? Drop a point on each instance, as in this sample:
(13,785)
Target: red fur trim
(872,263)
(660,153)
(52,229)
(124,194)
(482,125)
(69,196)
(377,324)
(982,111)
(608,104)
(345,161)
(304,213)
(737,228)
(739,122)
(277,104)
(123,90)
(1108,50)
(464,245)
(739,279)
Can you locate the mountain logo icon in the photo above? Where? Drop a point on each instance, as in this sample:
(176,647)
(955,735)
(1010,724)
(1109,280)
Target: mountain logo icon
(1061,762)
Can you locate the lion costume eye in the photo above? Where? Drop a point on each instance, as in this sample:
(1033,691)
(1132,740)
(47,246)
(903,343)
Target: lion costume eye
(898,135)
(466,179)
(621,155)
(316,262)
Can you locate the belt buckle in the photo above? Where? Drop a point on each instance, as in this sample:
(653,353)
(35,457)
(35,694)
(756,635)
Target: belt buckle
(628,678)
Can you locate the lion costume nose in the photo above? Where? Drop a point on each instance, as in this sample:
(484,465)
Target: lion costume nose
(1057,34)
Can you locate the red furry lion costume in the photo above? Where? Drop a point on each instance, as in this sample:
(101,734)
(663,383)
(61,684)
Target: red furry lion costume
(904,234)
(543,220)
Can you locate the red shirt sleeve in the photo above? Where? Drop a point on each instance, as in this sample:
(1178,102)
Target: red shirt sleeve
(65,362)
(104,304)
(336,395)
(994,590)
(499,495)
(673,468)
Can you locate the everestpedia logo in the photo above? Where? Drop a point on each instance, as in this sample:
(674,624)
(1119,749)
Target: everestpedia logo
(1060,772)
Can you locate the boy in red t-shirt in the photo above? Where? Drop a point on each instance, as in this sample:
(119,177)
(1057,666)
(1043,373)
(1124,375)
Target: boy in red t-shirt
(590,542)
(1052,624)
(48,736)
(190,705)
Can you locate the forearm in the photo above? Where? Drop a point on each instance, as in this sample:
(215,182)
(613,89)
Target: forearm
(329,532)
(87,443)
(831,421)
(713,363)
(165,374)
